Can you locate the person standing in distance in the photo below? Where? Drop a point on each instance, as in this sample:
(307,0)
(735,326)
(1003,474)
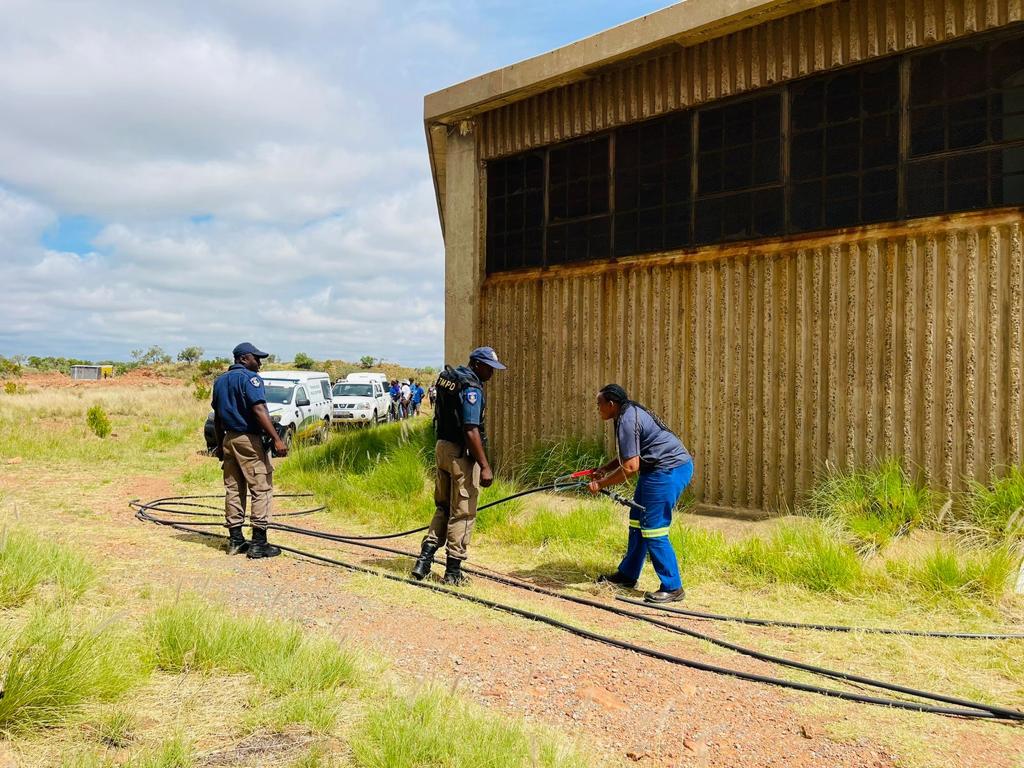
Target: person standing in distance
(241,418)
(461,459)
(645,445)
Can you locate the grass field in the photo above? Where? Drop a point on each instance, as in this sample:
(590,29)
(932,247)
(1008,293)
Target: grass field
(96,675)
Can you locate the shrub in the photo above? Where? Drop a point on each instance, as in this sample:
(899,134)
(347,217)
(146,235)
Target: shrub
(548,460)
(997,511)
(201,391)
(417,732)
(947,572)
(303,361)
(116,728)
(14,388)
(55,665)
(26,562)
(806,554)
(873,505)
(98,421)
(190,635)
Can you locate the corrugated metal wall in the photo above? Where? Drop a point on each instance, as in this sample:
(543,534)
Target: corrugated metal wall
(771,359)
(811,41)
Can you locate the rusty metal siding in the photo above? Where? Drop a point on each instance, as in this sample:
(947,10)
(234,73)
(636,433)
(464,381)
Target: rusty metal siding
(815,40)
(773,358)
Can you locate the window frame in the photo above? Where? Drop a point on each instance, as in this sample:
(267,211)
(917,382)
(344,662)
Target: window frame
(904,160)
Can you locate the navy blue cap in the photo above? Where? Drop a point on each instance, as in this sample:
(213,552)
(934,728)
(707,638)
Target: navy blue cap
(486,355)
(245,348)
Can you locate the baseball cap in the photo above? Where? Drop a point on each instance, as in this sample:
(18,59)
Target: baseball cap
(488,356)
(245,348)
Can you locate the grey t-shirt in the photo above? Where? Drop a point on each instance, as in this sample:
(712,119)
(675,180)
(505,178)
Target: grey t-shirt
(638,434)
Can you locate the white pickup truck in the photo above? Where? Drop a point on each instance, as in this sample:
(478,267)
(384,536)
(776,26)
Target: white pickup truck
(360,402)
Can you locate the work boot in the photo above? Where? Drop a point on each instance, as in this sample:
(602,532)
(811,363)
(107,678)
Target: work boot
(616,578)
(424,561)
(259,546)
(237,545)
(664,595)
(453,574)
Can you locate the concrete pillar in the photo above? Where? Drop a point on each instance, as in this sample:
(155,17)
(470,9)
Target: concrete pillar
(464,259)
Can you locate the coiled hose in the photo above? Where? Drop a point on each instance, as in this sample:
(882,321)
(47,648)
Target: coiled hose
(960,708)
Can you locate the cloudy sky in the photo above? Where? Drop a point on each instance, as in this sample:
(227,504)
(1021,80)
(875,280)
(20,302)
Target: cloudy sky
(201,172)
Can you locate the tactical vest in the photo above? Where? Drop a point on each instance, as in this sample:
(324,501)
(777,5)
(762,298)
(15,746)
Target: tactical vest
(448,408)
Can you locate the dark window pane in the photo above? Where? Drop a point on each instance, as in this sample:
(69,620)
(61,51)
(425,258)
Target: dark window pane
(807,155)
(925,187)
(736,217)
(807,105)
(964,71)
(769,212)
(806,206)
(880,207)
(926,80)
(626,148)
(707,220)
(766,163)
(534,172)
(709,173)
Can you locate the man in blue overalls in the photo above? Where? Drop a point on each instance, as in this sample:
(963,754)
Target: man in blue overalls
(241,419)
(645,445)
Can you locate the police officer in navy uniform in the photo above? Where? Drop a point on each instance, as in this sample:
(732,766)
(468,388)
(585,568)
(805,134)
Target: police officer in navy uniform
(241,419)
(461,460)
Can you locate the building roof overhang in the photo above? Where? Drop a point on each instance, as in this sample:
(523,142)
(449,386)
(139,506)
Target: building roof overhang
(681,25)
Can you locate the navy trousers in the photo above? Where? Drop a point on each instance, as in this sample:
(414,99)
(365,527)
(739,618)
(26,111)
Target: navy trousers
(658,493)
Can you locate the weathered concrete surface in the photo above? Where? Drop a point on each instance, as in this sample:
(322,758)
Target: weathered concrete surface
(464,267)
(772,358)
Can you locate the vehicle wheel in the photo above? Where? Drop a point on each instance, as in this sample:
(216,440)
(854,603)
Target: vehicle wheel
(324,431)
(289,434)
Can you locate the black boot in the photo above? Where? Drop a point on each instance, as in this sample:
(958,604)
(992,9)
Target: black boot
(259,546)
(237,545)
(453,574)
(665,595)
(424,561)
(616,578)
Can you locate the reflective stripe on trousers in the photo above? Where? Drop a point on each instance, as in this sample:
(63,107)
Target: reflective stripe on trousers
(658,493)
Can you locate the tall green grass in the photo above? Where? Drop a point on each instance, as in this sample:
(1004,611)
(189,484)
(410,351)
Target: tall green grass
(192,636)
(28,561)
(805,555)
(54,665)
(551,459)
(434,729)
(996,511)
(874,505)
(381,478)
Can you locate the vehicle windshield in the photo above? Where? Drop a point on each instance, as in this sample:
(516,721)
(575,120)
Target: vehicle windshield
(279,392)
(353,390)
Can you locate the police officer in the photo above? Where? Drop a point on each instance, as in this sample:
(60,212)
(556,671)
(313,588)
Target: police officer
(241,419)
(461,459)
(645,445)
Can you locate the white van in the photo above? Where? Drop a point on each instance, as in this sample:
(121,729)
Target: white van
(360,401)
(365,377)
(300,401)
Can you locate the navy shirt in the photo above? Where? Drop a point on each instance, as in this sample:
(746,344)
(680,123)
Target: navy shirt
(638,434)
(234,395)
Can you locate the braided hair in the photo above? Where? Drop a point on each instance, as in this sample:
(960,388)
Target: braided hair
(614,393)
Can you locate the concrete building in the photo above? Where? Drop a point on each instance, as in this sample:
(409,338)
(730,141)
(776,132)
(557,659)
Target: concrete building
(792,228)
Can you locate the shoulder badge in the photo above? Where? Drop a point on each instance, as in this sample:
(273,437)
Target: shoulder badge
(255,381)
(471,397)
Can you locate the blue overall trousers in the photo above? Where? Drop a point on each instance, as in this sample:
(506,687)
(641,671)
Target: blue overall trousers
(656,491)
